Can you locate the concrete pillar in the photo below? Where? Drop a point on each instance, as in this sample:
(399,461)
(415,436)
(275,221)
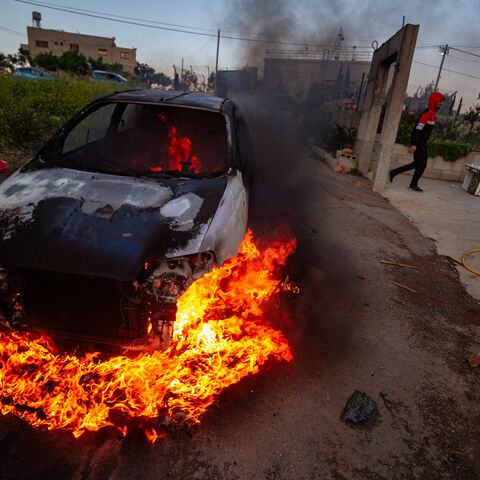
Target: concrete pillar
(395,106)
(372,107)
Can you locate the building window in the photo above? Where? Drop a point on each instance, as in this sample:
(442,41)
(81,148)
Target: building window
(74,46)
(102,51)
(124,55)
(41,43)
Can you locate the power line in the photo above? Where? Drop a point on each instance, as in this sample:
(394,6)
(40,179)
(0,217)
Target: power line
(180,30)
(198,50)
(173,27)
(53,5)
(463,59)
(447,70)
(102,17)
(463,51)
(13,32)
(76,9)
(467,46)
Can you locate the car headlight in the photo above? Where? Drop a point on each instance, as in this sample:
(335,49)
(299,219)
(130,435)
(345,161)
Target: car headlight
(167,278)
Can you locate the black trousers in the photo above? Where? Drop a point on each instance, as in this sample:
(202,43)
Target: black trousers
(420,157)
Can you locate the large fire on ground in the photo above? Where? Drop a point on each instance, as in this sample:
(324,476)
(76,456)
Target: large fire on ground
(221,335)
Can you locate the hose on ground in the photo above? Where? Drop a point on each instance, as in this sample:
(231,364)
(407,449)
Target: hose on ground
(465,265)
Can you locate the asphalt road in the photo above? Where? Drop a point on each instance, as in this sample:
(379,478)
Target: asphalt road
(351,330)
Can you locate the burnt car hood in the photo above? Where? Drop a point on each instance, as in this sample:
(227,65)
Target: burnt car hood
(72,221)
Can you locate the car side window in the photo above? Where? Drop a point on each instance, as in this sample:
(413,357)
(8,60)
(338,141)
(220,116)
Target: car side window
(90,129)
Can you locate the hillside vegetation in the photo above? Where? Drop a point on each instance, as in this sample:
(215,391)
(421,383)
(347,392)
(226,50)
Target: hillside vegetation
(31,112)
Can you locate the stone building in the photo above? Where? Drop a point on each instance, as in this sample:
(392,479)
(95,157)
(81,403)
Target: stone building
(41,40)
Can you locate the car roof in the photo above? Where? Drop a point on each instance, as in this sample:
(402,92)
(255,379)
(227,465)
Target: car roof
(173,97)
(34,70)
(104,71)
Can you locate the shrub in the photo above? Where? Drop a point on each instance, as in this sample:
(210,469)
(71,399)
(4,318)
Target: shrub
(73,62)
(339,137)
(31,112)
(47,61)
(404,133)
(448,127)
(449,151)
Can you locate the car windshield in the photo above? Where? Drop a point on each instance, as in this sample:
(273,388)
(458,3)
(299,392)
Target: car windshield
(145,139)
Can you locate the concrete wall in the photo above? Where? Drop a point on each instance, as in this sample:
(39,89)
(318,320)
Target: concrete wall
(437,167)
(295,76)
(58,42)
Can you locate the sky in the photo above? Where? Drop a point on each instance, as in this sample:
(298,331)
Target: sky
(301,22)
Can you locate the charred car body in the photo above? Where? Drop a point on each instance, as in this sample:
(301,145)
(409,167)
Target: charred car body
(136,197)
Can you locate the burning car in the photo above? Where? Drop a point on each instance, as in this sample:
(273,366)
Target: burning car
(136,197)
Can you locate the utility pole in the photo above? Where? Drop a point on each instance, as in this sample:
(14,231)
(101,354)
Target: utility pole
(444,54)
(459,106)
(454,99)
(216,63)
(181,73)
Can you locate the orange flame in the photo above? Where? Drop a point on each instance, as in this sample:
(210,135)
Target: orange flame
(221,335)
(179,150)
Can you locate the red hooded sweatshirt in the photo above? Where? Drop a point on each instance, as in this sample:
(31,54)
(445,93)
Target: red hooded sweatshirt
(426,122)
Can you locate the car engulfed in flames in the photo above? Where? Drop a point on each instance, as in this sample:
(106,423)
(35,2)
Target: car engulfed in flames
(138,196)
(223,333)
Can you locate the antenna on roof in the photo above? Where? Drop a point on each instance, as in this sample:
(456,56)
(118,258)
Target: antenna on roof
(36,19)
(340,46)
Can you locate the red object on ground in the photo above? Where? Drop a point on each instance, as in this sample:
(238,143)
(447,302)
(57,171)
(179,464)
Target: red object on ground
(4,172)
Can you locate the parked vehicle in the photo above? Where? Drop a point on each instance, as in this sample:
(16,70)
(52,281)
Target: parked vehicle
(32,73)
(135,198)
(100,75)
(4,172)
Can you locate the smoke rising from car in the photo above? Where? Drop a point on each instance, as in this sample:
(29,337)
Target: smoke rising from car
(274,21)
(279,146)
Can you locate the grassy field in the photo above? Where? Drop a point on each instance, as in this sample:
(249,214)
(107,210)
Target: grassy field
(31,112)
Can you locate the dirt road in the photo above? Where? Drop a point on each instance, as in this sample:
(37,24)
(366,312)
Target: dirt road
(351,330)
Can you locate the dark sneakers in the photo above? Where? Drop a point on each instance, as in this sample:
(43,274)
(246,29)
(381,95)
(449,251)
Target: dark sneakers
(416,188)
(391,176)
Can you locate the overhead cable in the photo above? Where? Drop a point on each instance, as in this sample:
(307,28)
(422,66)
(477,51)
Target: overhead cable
(171,29)
(13,32)
(447,70)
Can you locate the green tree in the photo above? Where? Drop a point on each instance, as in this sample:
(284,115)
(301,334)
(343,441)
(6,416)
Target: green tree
(4,62)
(116,68)
(448,128)
(11,61)
(145,72)
(161,79)
(47,61)
(471,117)
(23,56)
(97,64)
(73,62)
(189,81)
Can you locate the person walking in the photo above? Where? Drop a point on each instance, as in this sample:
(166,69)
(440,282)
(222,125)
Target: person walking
(420,135)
